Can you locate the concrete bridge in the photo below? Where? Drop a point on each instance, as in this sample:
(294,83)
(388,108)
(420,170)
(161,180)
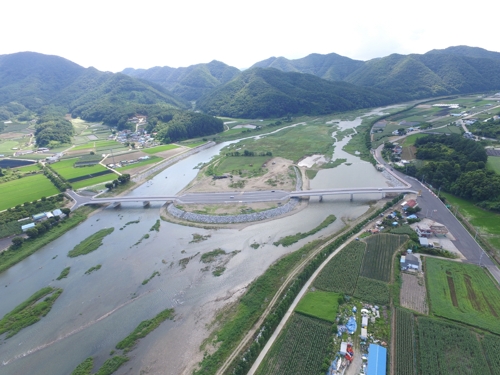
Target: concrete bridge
(239,197)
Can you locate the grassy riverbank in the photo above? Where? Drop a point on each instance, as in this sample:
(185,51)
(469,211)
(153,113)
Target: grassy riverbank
(13,256)
(290,240)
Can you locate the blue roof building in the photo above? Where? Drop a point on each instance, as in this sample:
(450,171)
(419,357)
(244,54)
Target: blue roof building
(377,360)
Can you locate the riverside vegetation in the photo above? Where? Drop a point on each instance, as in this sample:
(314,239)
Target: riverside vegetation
(91,243)
(125,345)
(30,311)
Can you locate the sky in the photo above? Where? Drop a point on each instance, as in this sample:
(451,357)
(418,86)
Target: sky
(113,35)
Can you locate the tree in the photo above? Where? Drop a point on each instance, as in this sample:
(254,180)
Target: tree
(66,211)
(109,186)
(17,242)
(32,233)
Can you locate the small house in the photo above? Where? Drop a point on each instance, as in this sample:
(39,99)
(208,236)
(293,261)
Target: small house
(423,241)
(364,321)
(409,262)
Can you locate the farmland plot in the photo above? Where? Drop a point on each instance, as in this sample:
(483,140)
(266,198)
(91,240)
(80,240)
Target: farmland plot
(406,350)
(380,248)
(446,348)
(300,349)
(463,292)
(413,294)
(341,273)
(491,347)
(371,290)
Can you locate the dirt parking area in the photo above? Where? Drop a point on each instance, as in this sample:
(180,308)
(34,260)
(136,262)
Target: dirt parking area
(413,294)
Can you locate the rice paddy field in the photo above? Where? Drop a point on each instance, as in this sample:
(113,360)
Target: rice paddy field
(319,304)
(65,169)
(26,189)
(154,150)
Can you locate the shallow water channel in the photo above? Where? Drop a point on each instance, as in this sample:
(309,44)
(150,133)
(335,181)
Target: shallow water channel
(96,311)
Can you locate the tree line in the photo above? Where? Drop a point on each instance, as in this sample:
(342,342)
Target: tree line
(457,165)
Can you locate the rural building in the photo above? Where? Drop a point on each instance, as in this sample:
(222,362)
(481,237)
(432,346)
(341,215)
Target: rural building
(423,230)
(364,321)
(24,228)
(423,241)
(409,204)
(409,262)
(377,360)
(343,348)
(40,217)
(57,212)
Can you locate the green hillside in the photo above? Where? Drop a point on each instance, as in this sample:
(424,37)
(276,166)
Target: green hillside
(269,92)
(190,82)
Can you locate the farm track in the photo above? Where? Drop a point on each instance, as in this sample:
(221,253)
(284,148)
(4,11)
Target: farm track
(246,340)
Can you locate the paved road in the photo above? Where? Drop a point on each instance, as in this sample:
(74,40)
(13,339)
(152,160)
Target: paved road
(434,209)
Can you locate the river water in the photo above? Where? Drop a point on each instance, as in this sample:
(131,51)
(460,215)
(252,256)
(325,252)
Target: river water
(96,311)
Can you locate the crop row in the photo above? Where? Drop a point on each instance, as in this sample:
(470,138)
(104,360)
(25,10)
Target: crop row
(380,248)
(405,343)
(300,349)
(341,273)
(371,290)
(491,348)
(447,348)
(470,296)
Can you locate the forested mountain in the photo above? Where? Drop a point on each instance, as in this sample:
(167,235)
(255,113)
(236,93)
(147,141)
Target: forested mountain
(270,92)
(332,67)
(467,51)
(52,86)
(431,74)
(190,82)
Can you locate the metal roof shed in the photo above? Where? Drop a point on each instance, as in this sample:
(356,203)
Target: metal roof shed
(377,360)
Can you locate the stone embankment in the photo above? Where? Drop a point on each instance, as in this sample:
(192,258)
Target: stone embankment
(241,218)
(392,180)
(233,219)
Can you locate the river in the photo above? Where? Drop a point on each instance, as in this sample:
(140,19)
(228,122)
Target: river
(96,311)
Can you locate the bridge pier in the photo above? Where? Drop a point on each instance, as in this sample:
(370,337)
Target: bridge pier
(146,204)
(321,198)
(383,195)
(117,205)
(352,197)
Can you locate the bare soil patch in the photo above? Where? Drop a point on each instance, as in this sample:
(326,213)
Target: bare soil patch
(277,176)
(413,294)
(451,286)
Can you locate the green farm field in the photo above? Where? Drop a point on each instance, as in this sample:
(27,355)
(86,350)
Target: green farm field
(100,144)
(154,150)
(405,348)
(26,189)
(485,221)
(250,164)
(300,348)
(410,140)
(94,181)
(151,160)
(371,290)
(464,293)
(319,304)
(65,169)
(293,143)
(341,273)
(380,249)
(493,163)
(491,348)
(446,348)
